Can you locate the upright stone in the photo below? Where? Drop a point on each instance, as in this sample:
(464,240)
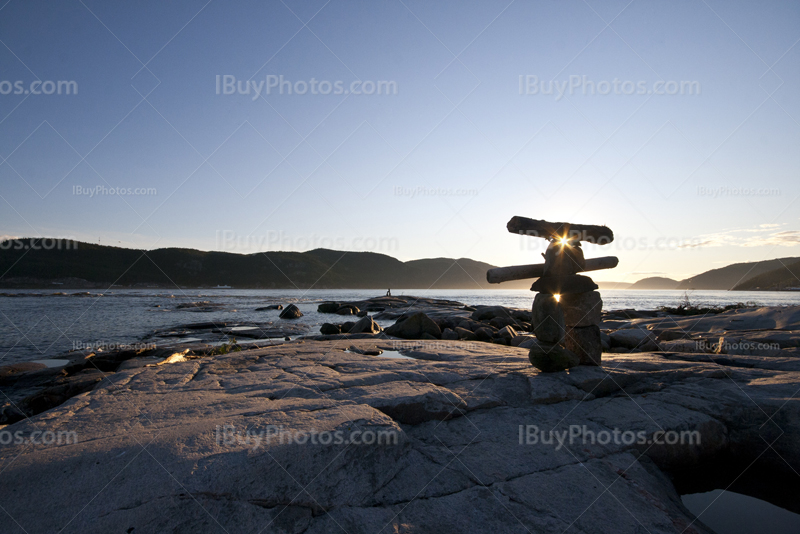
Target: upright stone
(548,319)
(563,258)
(585,342)
(582,309)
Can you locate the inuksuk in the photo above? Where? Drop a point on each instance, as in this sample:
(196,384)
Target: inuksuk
(566,309)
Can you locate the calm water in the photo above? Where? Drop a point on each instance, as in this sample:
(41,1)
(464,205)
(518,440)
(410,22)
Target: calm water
(35,327)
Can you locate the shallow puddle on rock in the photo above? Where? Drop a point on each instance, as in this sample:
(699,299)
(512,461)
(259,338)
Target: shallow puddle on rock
(394,354)
(727,512)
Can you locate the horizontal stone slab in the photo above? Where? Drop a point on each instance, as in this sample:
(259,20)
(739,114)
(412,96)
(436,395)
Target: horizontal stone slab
(499,275)
(599,235)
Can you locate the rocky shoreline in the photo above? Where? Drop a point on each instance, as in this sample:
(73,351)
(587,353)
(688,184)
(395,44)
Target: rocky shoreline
(162,440)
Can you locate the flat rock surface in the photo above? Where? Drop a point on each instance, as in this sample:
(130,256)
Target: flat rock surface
(214,444)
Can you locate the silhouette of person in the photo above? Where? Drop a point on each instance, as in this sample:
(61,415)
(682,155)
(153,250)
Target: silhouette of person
(388,292)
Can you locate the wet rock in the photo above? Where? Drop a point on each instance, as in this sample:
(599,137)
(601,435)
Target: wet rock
(328,307)
(291,312)
(347,309)
(271,307)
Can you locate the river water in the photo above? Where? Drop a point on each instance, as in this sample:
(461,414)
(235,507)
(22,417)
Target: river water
(42,325)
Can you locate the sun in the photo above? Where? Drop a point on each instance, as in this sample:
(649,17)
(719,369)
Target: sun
(557,297)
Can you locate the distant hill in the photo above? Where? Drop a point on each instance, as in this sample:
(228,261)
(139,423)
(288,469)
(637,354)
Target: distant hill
(90,265)
(613,285)
(784,277)
(655,282)
(733,275)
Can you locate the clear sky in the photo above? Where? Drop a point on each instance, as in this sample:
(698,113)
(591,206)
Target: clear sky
(696,168)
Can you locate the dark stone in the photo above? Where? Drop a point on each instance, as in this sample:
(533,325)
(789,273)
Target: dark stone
(328,307)
(291,312)
(484,334)
(414,326)
(272,307)
(500,322)
(508,332)
(365,325)
(347,326)
(560,285)
(586,343)
(465,334)
(347,309)
(563,259)
(548,319)
(329,329)
(582,309)
(449,333)
(551,358)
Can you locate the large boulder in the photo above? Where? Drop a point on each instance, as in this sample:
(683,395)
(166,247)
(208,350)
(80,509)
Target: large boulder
(328,307)
(291,312)
(507,332)
(465,334)
(449,333)
(365,325)
(329,329)
(413,327)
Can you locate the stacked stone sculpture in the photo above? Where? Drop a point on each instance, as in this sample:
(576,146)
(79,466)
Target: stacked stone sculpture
(567,308)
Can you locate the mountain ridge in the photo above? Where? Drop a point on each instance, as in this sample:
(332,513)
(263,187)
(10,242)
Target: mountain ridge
(92,265)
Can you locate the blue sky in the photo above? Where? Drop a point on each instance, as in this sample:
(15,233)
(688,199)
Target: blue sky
(436,168)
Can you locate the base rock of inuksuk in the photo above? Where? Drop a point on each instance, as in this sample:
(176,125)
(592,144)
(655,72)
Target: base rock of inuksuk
(567,308)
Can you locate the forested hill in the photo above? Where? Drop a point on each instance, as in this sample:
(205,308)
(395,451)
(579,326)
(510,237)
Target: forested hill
(91,265)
